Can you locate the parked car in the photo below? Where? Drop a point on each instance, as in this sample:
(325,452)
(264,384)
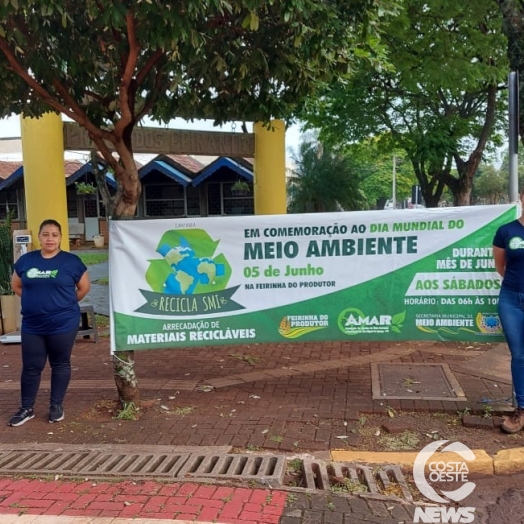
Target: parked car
(406,204)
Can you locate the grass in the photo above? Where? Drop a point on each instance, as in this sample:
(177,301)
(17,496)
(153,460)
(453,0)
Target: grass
(128,412)
(90,259)
(405,441)
(295,465)
(347,485)
(104,281)
(102,322)
(183,411)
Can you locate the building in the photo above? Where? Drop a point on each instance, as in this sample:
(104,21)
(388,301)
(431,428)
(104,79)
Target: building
(173,186)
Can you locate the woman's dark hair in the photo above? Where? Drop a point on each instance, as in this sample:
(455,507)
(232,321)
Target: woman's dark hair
(50,222)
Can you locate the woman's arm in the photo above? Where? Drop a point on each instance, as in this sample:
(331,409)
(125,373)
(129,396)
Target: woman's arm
(499,254)
(83,286)
(16,284)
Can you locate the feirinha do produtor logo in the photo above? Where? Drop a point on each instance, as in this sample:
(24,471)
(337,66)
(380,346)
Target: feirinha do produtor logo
(189,277)
(295,326)
(440,462)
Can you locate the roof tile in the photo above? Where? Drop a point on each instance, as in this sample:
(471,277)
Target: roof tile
(8,168)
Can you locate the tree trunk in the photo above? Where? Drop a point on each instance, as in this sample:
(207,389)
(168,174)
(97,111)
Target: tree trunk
(123,205)
(125,378)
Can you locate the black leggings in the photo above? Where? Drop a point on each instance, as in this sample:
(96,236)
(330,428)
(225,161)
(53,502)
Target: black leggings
(36,349)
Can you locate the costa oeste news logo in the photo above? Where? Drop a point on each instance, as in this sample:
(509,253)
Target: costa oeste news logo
(440,471)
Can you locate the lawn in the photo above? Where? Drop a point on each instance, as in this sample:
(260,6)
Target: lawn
(90,259)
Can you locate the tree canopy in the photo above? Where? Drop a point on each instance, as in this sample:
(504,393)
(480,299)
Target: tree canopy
(323,180)
(438,102)
(108,63)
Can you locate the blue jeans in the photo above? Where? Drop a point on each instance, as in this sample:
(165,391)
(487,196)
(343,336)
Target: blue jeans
(36,350)
(511,314)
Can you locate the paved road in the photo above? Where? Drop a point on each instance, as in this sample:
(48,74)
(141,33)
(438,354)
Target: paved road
(98,297)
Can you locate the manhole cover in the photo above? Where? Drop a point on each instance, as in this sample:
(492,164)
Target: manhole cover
(415,381)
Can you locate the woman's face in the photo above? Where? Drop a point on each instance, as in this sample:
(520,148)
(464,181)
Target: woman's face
(50,238)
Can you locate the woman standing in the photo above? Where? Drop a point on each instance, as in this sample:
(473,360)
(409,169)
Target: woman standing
(50,283)
(508,253)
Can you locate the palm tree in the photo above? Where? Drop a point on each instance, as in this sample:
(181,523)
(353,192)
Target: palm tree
(323,180)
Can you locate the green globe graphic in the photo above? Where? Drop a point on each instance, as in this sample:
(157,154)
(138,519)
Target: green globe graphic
(188,265)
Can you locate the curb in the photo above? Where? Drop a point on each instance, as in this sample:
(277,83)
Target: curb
(504,462)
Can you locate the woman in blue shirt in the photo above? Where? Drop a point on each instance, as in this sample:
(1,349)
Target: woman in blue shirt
(50,283)
(508,253)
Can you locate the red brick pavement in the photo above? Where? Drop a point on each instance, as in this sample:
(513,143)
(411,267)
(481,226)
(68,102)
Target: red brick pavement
(141,500)
(279,397)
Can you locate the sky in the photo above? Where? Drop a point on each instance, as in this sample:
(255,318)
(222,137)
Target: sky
(10,128)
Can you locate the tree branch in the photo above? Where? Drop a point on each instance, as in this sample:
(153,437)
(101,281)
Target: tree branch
(73,111)
(17,68)
(149,103)
(153,59)
(126,114)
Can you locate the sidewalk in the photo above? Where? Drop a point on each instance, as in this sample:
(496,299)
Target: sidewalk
(282,399)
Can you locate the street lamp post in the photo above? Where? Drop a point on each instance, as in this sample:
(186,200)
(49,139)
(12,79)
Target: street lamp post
(394,185)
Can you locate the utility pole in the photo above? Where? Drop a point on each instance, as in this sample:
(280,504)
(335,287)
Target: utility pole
(513,92)
(394,185)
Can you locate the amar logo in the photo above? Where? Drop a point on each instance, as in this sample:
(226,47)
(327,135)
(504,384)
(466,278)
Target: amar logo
(353,321)
(516,243)
(37,273)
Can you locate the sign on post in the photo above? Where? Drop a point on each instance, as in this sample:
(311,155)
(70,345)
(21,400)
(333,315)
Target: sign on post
(171,141)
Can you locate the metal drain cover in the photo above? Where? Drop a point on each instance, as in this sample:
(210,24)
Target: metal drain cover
(384,482)
(415,381)
(267,470)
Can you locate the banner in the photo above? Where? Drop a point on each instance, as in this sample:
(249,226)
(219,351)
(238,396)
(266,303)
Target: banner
(414,274)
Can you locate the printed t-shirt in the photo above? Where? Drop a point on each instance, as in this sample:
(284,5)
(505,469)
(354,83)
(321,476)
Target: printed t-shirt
(49,303)
(510,237)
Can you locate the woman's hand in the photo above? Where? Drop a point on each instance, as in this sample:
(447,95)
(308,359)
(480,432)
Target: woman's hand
(499,255)
(83,286)
(16,284)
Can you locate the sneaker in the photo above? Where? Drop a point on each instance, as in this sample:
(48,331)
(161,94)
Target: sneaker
(56,413)
(22,416)
(515,422)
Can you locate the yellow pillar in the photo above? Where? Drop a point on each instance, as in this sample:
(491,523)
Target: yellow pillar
(44,176)
(270,168)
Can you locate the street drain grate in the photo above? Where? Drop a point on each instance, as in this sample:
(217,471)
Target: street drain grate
(268,470)
(407,381)
(137,464)
(93,463)
(384,482)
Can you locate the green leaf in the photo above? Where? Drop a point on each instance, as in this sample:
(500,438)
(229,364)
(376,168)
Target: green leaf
(399,318)
(251,21)
(255,21)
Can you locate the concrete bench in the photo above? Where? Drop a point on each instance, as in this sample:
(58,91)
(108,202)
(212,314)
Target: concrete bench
(88,325)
